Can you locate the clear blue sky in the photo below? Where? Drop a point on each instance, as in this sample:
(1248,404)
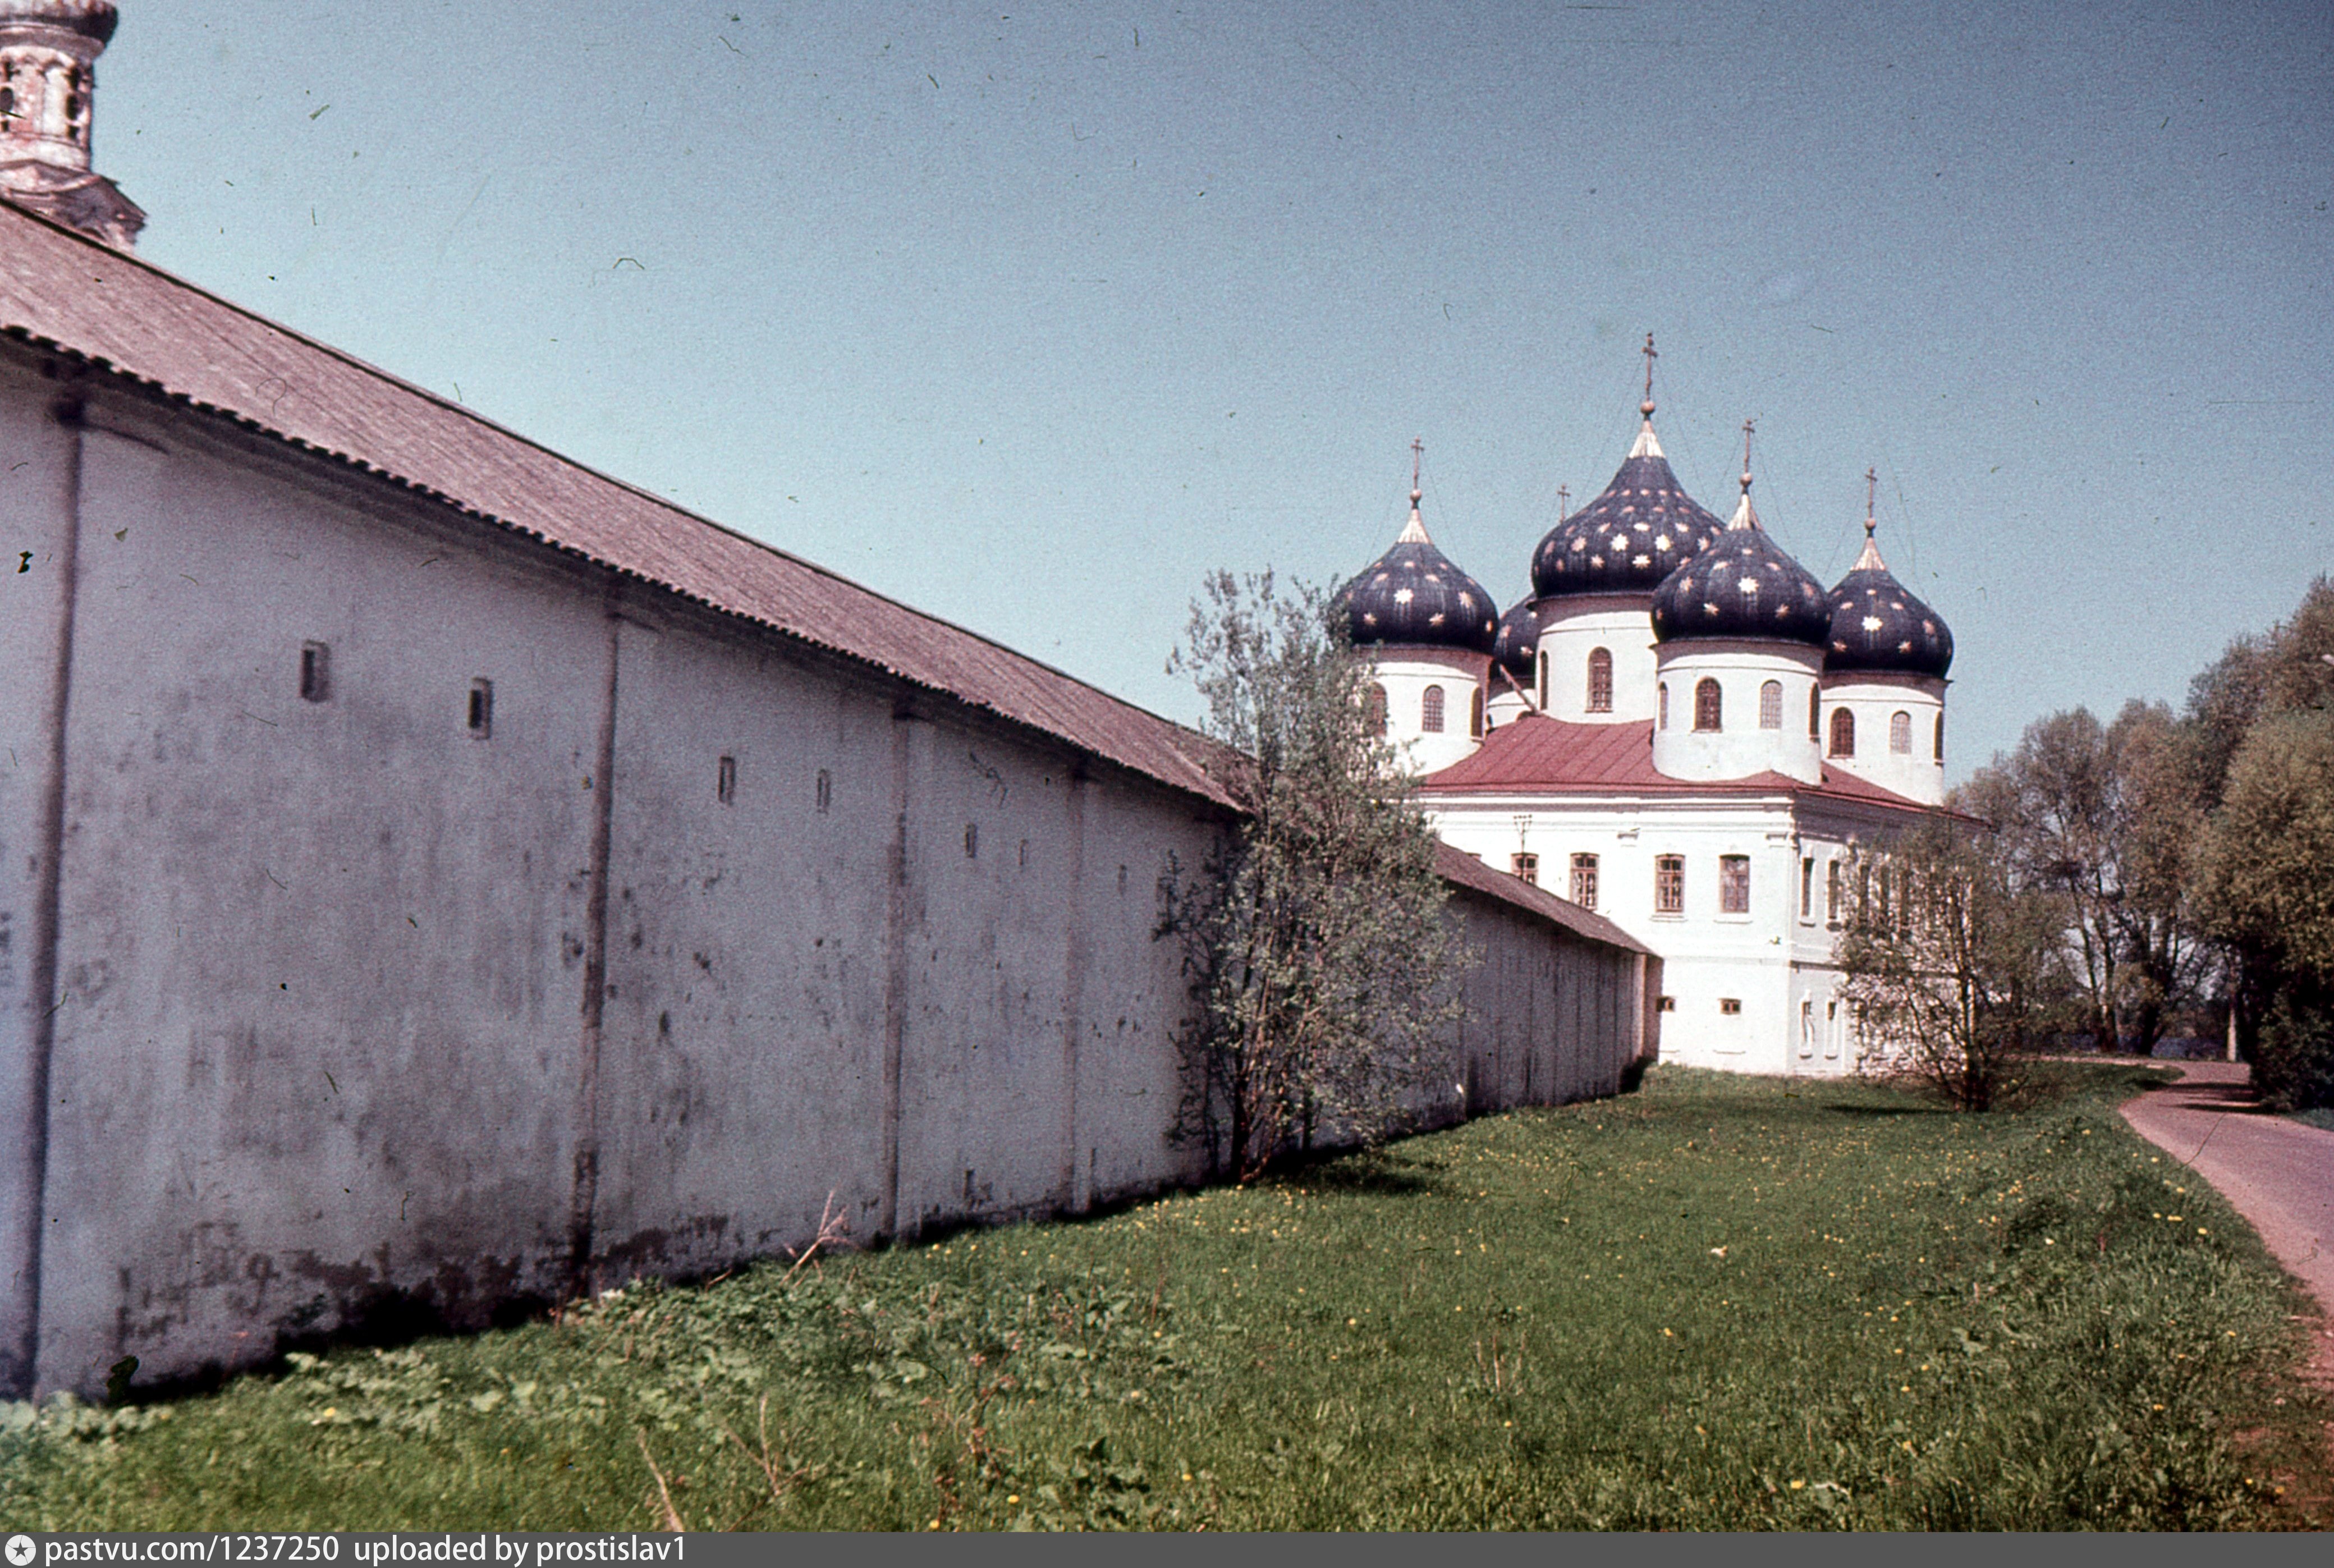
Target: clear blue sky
(1029,315)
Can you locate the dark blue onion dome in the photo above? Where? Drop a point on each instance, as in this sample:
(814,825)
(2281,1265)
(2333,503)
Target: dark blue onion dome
(1516,649)
(1743,586)
(1644,527)
(1876,625)
(1413,595)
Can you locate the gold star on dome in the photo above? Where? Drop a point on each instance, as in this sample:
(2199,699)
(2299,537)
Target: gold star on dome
(1401,596)
(1873,623)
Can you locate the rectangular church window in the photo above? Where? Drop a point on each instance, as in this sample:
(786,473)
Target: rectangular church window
(1734,884)
(1525,864)
(482,708)
(1583,880)
(1669,884)
(725,781)
(1729,1005)
(825,795)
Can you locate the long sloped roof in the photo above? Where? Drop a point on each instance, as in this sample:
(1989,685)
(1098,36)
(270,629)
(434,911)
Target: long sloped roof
(61,291)
(1456,865)
(123,315)
(1535,754)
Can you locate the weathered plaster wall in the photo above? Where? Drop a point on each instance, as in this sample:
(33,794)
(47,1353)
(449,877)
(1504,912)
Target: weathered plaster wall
(360,1008)
(38,464)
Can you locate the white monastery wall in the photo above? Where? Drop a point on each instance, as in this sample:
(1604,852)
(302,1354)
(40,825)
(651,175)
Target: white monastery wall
(36,478)
(365,1014)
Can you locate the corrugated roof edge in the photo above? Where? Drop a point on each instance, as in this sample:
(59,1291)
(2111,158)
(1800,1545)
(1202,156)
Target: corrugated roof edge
(1176,737)
(1459,868)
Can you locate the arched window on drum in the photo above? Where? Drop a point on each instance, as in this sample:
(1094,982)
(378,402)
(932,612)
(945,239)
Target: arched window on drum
(1843,733)
(1430,710)
(1709,706)
(1900,734)
(1770,705)
(1600,680)
(1373,709)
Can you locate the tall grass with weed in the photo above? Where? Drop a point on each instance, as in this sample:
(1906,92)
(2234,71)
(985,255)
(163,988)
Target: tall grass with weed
(1716,1304)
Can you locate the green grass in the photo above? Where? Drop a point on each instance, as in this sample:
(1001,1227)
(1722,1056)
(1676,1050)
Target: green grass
(1715,1304)
(2317,1116)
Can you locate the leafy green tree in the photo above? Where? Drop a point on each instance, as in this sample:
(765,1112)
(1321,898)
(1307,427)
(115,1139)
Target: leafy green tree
(1953,970)
(2266,890)
(1324,971)
(2107,816)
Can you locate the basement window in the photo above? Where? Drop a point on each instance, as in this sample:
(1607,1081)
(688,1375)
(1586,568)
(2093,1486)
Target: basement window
(315,672)
(482,708)
(1729,1005)
(725,781)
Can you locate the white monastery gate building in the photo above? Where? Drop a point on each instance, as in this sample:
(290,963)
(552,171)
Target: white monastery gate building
(1679,728)
(436,878)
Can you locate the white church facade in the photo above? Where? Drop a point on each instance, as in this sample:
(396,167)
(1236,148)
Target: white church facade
(1679,729)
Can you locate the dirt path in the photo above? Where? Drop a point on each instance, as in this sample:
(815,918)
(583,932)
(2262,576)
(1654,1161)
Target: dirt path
(2278,1172)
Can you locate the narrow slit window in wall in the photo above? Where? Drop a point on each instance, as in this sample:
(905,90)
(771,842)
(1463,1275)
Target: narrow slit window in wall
(315,672)
(482,708)
(1941,738)
(825,796)
(1831,892)
(1475,715)
(725,781)
(972,841)
(1807,887)
(1815,713)
(1663,717)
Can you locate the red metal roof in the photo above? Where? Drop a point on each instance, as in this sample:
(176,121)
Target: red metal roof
(61,290)
(1535,755)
